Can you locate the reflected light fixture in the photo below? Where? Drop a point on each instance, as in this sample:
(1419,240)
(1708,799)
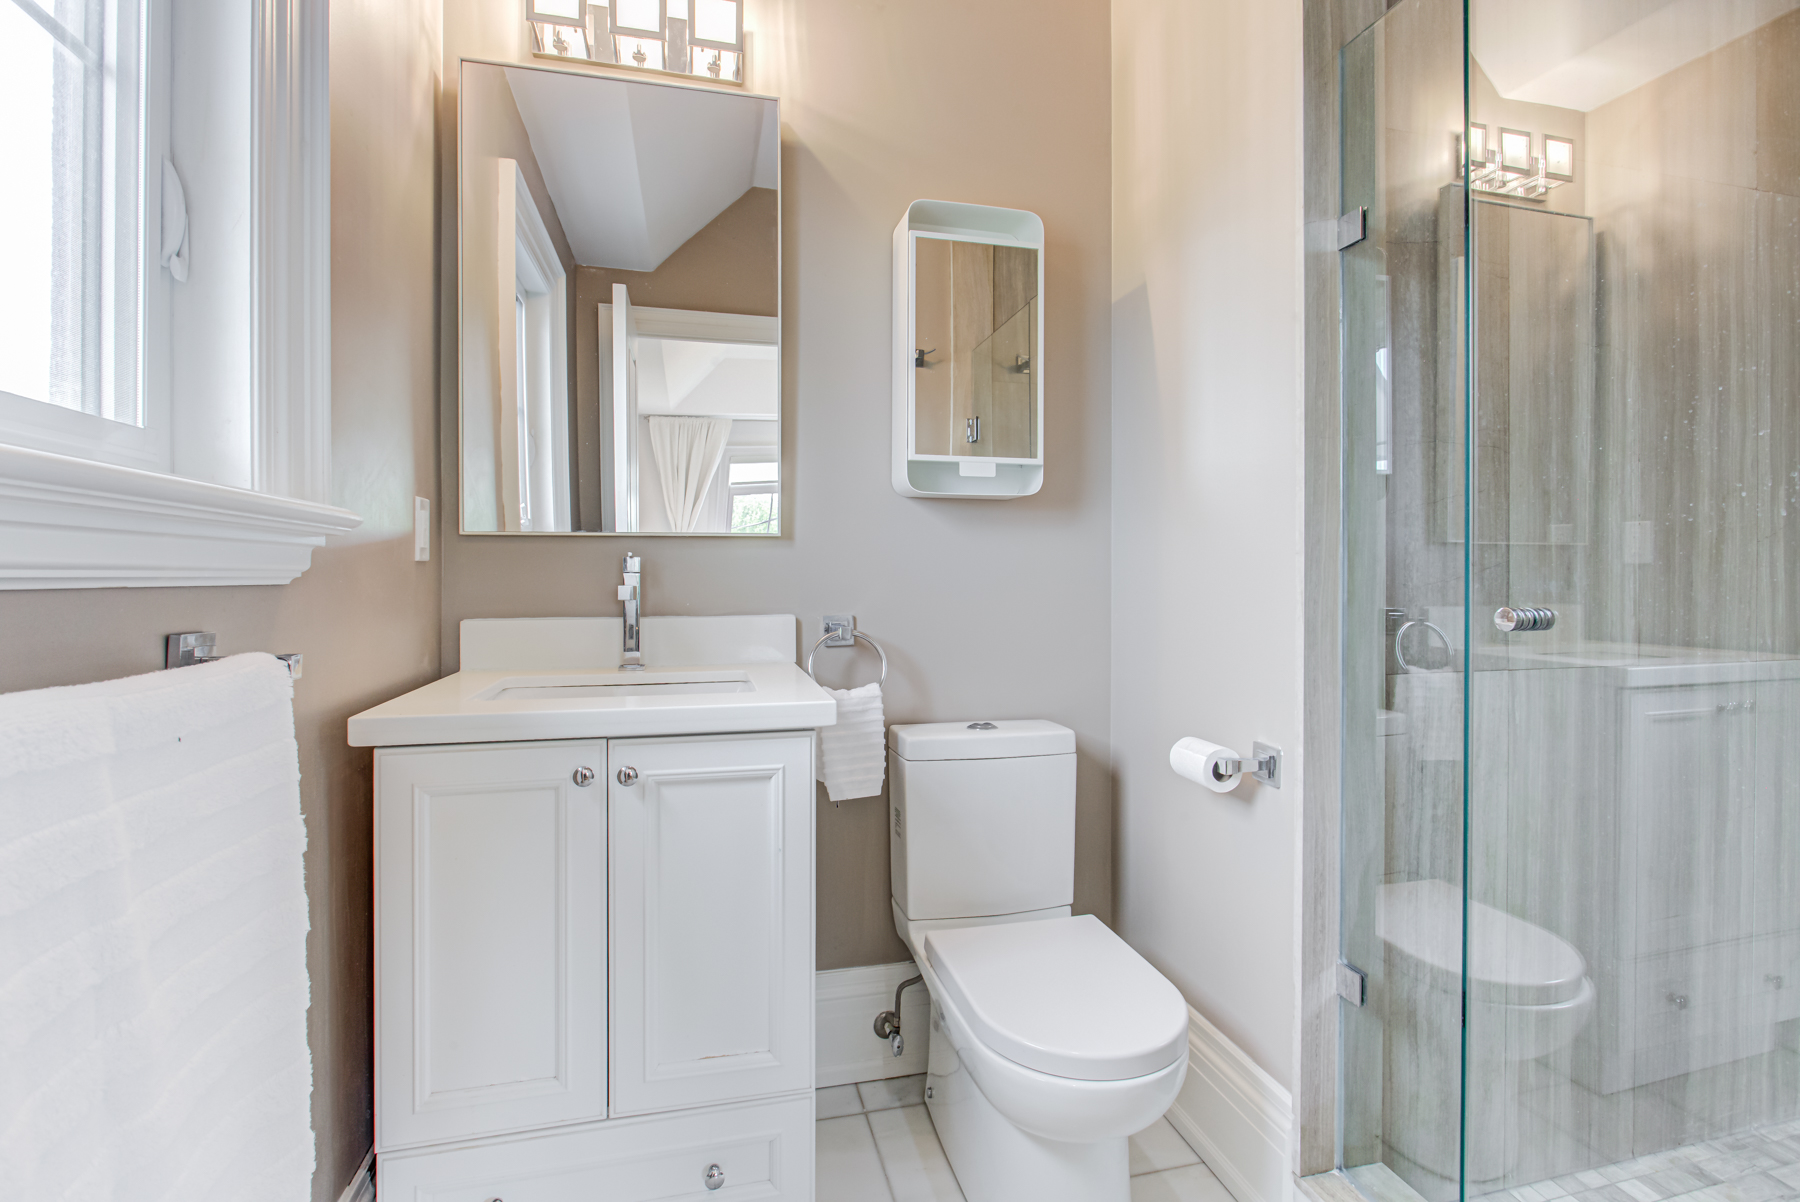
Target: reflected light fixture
(684,37)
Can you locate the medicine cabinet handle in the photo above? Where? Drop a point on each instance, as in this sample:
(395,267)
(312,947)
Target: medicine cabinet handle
(627,776)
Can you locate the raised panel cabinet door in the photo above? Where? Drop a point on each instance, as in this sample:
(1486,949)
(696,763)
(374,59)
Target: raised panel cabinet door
(490,930)
(712,911)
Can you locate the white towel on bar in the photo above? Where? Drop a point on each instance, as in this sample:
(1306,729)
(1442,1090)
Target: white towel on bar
(153,920)
(853,753)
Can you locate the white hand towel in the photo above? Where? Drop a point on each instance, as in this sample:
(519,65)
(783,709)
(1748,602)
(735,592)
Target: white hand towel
(153,986)
(853,753)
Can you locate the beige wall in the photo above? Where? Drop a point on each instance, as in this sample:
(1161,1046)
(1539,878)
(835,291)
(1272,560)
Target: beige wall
(1206,448)
(365,615)
(987,609)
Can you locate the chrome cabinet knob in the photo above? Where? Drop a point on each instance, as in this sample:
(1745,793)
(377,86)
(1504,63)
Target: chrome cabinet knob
(715,1176)
(627,776)
(584,777)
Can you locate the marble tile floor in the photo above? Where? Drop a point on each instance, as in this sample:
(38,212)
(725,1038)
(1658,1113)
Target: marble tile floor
(876,1144)
(1761,1165)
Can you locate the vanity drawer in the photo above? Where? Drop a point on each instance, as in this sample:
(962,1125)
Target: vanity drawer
(764,1151)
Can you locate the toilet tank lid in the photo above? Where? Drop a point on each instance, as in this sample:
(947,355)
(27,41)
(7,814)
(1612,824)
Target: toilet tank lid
(980,740)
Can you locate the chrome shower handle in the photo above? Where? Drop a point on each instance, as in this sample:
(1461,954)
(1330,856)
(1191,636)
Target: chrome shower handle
(1520,620)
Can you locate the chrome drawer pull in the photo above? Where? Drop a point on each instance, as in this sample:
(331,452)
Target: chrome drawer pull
(715,1176)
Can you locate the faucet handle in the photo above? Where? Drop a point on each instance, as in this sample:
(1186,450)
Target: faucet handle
(633,563)
(628,592)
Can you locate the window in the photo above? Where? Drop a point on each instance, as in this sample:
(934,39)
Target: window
(755,480)
(70,303)
(164,304)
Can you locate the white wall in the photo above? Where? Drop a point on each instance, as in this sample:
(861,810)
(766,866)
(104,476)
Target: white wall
(1206,452)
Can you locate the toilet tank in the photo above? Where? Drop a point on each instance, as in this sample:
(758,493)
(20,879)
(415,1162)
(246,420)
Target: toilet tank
(982,818)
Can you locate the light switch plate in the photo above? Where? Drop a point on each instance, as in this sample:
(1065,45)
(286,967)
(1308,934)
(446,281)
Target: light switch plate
(421,529)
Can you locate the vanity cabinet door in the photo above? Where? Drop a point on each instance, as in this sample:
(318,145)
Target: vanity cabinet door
(712,902)
(490,957)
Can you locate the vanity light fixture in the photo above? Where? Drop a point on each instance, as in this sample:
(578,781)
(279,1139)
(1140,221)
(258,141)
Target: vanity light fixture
(1506,166)
(683,37)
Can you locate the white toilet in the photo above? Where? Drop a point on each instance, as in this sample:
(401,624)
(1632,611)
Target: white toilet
(1052,1041)
(1529,996)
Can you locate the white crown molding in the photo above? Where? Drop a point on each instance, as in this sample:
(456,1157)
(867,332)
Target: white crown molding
(78,523)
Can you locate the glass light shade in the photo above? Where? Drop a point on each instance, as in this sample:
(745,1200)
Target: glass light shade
(718,24)
(557,12)
(640,18)
(1559,158)
(1477,144)
(1515,150)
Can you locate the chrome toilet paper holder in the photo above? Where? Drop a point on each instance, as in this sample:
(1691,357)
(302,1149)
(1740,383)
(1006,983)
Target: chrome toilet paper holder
(1263,764)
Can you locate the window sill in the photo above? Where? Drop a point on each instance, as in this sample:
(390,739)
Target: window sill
(76,523)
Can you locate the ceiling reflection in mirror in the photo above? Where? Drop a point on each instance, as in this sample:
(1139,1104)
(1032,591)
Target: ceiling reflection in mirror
(620,321)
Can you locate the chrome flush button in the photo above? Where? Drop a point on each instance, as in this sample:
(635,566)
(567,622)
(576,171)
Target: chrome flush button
(982,726)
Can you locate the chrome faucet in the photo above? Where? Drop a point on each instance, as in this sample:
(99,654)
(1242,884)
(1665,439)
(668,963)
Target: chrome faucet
(631,593)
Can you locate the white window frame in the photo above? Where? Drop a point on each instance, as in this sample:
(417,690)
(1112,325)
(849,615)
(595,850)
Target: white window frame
(75,522)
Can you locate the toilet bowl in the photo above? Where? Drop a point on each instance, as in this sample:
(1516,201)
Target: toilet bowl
(1529,995)
(1051,1040)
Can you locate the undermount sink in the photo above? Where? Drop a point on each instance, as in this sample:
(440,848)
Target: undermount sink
(559,678)
(615,684)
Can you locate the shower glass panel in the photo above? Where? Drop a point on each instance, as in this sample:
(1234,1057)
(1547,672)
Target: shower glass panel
(1571,374)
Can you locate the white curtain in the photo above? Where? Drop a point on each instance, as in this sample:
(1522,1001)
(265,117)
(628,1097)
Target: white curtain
(687,450)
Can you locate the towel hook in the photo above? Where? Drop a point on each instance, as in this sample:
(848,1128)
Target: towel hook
(841,631)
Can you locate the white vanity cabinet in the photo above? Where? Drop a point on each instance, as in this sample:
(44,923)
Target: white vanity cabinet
(594,967)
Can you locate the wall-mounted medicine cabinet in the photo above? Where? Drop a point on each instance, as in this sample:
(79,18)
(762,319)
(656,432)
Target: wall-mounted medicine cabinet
(968,351)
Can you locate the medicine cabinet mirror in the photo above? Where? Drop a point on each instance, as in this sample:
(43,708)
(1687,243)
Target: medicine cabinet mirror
(968,351)
(620,306)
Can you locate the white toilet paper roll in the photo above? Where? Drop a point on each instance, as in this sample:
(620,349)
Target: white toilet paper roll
(1198,760)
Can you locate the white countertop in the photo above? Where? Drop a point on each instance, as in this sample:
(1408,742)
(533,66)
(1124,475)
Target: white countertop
(558,678)
(463,708)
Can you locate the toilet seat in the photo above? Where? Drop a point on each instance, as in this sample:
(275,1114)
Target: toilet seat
(1511,962)
(1062,996)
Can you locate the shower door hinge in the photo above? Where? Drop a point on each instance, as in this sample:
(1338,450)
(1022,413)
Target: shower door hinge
(1353,227)
(1352,983)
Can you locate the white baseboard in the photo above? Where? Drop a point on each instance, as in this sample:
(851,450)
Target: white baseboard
(362,1185)
(848,999)
(1235,1115)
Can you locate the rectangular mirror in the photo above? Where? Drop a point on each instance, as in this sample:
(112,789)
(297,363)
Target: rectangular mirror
(968,367)
(620,322)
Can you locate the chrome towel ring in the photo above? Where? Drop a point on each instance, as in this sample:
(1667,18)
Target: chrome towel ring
(1400,635)
(855,634)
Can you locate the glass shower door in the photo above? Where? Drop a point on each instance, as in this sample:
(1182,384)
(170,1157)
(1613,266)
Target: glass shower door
(1404,570)
(1571,551)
